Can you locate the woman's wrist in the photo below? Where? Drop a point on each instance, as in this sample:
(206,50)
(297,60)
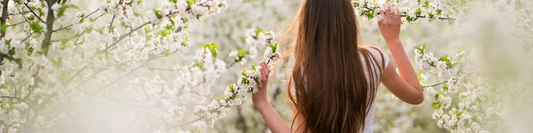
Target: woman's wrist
(262,104)
(394,42)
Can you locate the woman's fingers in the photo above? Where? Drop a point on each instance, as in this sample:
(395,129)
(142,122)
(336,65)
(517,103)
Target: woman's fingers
(390,10)
(386,12)
(399,14)
(382,11)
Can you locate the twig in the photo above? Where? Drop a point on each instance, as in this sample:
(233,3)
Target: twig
(11,58)
(133,70)
(111,24)
(26,4)
(404,15)
(125,35)
(77,73)
(70,25)
(159,69)
(24,16)
(16,24)
(26,38)
(233,63)
(12,97)
(425,86)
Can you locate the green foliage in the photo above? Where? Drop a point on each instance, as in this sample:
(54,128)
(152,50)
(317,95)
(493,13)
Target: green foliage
(61,10)
(421,48)
(240,54)
(88,29)
(190,2)
(436,105)
(3,28)
(273,47)
(418,74)
(157,13)
(36,27)
(199,64)
(212,47)
(257,31)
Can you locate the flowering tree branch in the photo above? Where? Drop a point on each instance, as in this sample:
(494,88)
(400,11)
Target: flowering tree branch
(31,10)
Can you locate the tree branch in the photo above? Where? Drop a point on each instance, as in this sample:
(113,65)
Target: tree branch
(49,26)
(26,4)
(70,25)
(433,85)
(12,97)
(159,69)
(4,17)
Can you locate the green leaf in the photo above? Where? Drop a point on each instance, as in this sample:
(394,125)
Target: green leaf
(436,105)
(426,4)
(42,51)
(157,14)
(29,49)
(223,96)
(88,30)
(61,10)
(163,32)
(36,27)
(74,6)
(253,67)
(243,73)
(258,30)
(64,41)
(190,2)
(418,75)
(274,47)
(3,28)
(199,64)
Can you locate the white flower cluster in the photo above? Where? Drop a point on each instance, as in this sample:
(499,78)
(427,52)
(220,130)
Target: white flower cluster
(236,93)
(426,60)
(199,76)
(463,115)
(253,38)
(369,10)
(87,58)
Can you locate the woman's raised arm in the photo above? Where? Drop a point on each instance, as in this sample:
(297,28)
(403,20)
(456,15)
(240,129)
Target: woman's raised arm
(406,87)
(269,114)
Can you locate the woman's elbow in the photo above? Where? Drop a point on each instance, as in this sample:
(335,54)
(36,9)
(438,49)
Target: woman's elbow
(418,99)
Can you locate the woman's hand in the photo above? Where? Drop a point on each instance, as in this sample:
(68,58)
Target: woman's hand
(391,24)
(260,97)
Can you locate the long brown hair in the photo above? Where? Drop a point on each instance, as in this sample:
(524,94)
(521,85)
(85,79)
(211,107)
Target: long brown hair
(332,91)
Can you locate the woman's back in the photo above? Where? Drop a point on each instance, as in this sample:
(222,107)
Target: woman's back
(382,60)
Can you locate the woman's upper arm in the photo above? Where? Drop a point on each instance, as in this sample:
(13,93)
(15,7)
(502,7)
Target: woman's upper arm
(399,87)
(300,125)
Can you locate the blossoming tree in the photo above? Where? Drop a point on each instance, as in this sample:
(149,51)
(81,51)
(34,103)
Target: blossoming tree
(71,65)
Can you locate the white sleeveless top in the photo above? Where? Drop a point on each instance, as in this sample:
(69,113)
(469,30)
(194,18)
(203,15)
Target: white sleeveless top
(370,116)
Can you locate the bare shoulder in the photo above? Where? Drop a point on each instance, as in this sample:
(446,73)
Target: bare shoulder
(372,49)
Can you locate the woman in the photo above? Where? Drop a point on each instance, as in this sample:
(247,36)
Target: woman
(334,79)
